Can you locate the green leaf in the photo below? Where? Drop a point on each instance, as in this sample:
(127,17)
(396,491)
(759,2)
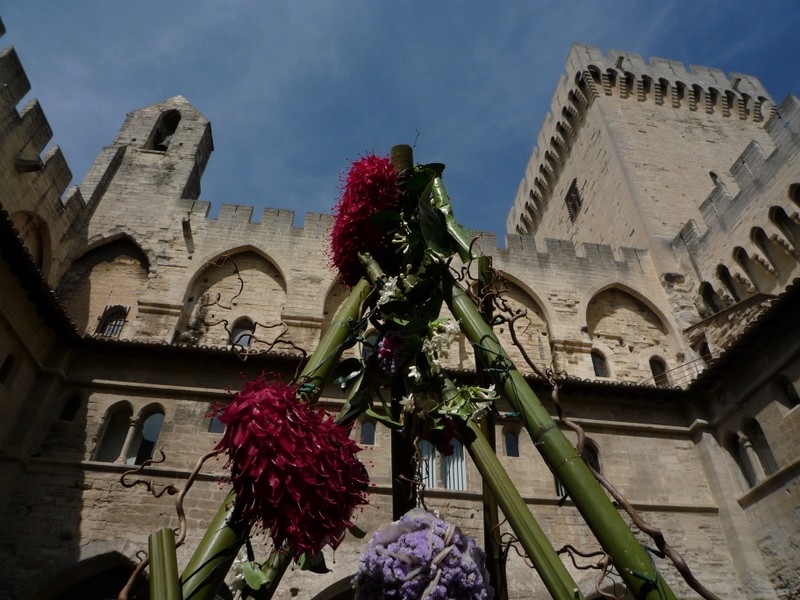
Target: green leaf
(382,419)
(254,576)
(356,404)
(417,182)
(434,228)
(315,565)
(437,168)
(357,532)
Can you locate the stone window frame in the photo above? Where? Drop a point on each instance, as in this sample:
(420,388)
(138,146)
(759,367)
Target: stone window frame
(136,445)
(243,332)
(367,432)
(511,441)
(658,367)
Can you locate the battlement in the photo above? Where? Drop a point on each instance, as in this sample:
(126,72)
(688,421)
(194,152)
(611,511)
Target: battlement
(729,221)
(34,184)
(624,75)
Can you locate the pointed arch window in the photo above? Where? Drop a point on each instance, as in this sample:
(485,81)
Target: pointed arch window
(659,370)
(761,447)
(115,431)
(162,133)
(599,364)
(710,297)
(737,449)
(112,321)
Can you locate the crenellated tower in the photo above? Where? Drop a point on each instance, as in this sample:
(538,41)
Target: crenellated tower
(630,150)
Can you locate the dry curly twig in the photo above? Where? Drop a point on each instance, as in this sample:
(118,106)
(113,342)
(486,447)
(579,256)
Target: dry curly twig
(180,532)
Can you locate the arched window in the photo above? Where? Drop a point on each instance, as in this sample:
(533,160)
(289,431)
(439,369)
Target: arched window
(511,442)
(714,177)
(215,425)
(367,433)
(129,440)
(704,350)
(761,447)
(736,448)
(659,370)
(599,364)
(162,133)
(6,368)
(591,454)
(710,297)
(115,432)
(724,275)
(70,409)
(794,193)
(786,391)
(145,438)
(112,321)
(242,332)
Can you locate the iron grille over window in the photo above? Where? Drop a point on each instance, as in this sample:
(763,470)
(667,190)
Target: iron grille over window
(599,363)
(112,321)
(573,201)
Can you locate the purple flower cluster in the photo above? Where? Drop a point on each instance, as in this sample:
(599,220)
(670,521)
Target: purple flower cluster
(390,353)
(421,557)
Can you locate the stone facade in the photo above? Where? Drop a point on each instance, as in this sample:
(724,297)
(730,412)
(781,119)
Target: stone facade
(676,242)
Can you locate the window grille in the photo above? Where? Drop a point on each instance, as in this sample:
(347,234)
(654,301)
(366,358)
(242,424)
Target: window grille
(112,321)
(573,201)
(599,363)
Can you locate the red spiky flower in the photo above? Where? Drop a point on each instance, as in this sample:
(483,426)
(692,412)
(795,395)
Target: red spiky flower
(370,187)
(293,468)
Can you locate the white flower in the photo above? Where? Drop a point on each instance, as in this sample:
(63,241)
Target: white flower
(414,374)
(388,290)
(408,403)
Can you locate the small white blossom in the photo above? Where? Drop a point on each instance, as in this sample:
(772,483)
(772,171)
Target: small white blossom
(388,291)
(414,374)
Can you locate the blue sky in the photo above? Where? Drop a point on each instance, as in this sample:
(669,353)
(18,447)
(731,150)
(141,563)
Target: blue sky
(295,89)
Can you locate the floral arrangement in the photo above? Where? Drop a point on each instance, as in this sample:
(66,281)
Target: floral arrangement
(422,557)
(369,188)
(293,468)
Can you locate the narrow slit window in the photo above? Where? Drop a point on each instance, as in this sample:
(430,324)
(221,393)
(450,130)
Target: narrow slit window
(599,364)
(573,200)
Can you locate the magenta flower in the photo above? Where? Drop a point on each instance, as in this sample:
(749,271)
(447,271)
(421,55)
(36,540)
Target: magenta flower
(370,187)
(293,468)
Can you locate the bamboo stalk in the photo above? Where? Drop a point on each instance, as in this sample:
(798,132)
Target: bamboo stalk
(630,558)
(546,561)
(164,582)
(214,555)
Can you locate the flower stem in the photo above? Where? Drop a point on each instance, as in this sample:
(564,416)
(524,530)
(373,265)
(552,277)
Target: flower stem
(546,561)
(630,558)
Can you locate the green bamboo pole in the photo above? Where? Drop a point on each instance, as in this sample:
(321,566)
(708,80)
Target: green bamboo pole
(630,558)
(164,582)
(216,552)
(546,561)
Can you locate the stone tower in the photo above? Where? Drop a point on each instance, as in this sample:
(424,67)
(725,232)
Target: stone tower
(630,150)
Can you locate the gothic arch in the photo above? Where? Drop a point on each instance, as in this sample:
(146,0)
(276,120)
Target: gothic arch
(532,330)
(778,257)
(633,330)
(242,282)
(788,227)
(35,236)
(590,294)
(92,282)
